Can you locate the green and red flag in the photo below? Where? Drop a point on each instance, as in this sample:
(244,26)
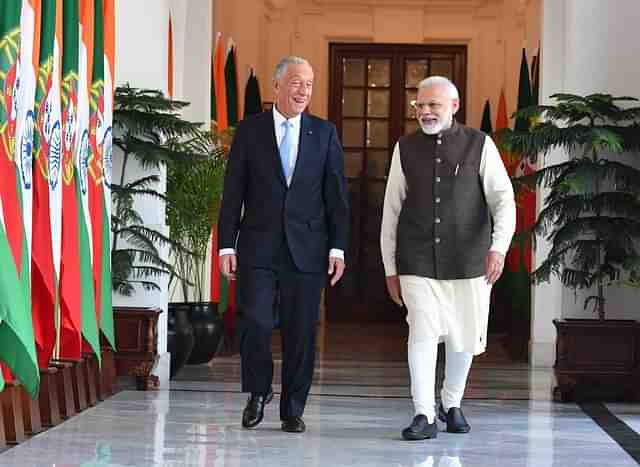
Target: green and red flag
(525,198)
(485,124)
(70,342)
(87,285)
(252,99)
(19,47)
(106,141)
(535,79)
(96,167)
(228,288)
(47,194)
(219,121)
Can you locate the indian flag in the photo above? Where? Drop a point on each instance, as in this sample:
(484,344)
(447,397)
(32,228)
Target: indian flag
(47,206)
(106,317)
(85,65)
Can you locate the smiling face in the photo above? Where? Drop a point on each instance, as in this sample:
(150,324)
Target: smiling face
(435,108)
(293,89)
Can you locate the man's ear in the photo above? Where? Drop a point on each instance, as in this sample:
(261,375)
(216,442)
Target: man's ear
(456,105)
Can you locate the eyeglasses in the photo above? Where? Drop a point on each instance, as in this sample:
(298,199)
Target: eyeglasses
(421,106)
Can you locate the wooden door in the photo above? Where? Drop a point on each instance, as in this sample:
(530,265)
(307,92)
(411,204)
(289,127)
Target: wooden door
(371,89)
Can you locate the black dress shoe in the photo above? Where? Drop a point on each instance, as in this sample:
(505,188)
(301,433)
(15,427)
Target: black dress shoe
(254,411)
(454,418)
(293,425)
(420,428)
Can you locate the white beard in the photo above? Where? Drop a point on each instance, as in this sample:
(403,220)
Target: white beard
(437,127)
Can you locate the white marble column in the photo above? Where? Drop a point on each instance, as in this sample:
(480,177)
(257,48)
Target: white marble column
(587,47)
(141,60)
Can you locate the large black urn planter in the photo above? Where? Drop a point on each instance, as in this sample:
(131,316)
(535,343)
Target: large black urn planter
(208,330)
(180,338)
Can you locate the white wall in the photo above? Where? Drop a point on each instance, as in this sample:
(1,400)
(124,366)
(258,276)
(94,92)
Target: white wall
(192,56)
(141,61)
(587,46)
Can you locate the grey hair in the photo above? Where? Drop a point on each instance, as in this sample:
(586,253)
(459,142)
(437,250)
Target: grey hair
(281,67)
(440,81)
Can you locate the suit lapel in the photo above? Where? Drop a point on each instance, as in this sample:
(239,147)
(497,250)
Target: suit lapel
(271,145)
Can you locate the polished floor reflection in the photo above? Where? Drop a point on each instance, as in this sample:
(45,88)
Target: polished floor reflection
(354,416)
(194,428)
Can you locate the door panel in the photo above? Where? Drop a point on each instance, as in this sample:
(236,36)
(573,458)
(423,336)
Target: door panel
(371,89)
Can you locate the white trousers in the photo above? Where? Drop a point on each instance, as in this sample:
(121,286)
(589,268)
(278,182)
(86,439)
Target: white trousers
(453,311)
(423,353)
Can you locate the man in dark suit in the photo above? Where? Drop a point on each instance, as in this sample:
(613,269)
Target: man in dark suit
(283,224)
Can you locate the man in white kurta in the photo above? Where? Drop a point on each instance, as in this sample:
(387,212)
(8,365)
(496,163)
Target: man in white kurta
(449,216)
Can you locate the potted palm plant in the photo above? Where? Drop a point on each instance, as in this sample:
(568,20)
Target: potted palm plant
(146,124)
(149,133)
(194,188)
(591,218)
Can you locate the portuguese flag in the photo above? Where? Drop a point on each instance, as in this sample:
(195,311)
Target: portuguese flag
(70,305)
(19,34)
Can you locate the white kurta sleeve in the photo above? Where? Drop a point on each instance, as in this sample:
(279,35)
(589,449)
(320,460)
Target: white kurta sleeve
(498,192)
(394,196)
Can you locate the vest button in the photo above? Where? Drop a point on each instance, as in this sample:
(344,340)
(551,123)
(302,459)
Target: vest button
(437,179)
(439,141)
(437,239)
(437,220)
(437,200)
(438,160)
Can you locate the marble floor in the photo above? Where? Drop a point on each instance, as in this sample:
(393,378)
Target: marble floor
(354,416)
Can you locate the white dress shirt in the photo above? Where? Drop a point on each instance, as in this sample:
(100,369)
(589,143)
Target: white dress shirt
(278,120)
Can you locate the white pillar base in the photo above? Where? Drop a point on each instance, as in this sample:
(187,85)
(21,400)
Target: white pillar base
(542,354)
(162,370)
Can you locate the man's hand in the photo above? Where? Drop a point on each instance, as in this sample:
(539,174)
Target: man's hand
(336,269)
(228,265)
(393,286)
(493,267)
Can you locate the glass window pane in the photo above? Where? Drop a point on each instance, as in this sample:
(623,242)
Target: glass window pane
(442,68)
(353,71)
(378,103)
(377,163)
(377,133)
(352,164)
(410,96)
(353,103)
(416,71)
(410,126)
(379,73)
(353,133)
(375,200)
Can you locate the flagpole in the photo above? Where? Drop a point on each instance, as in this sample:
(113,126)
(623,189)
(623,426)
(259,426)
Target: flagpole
(57,318)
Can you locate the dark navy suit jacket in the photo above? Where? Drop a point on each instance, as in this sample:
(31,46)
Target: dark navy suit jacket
(311,214)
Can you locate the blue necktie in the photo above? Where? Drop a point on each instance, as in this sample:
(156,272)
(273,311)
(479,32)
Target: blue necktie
(286,146)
